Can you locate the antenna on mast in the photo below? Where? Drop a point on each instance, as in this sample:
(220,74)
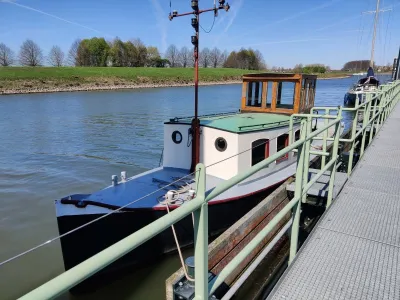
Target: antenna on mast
(376,12)
(195,127)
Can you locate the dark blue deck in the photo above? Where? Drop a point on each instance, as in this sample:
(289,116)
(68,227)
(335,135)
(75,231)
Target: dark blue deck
(139,186)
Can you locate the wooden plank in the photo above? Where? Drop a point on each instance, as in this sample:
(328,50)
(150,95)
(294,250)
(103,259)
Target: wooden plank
(264,94)
(274,93)
(267,110)
(244,90)
(269,79)
(229,243)
(297,98)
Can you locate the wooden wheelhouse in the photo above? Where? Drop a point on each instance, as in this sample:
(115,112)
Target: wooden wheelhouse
(278,93)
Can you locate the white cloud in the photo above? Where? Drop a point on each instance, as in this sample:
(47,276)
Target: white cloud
(228,18)
(51,15)
(161,18)
(284,42)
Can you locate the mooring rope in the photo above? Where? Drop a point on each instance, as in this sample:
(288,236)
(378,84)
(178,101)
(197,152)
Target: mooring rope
(167,202)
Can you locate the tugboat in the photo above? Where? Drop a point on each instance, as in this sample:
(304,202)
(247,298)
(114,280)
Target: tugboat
(228,144)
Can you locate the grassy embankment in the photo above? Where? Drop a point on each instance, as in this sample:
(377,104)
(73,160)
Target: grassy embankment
(46,79)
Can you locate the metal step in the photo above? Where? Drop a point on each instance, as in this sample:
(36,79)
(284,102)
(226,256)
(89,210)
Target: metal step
(320,188)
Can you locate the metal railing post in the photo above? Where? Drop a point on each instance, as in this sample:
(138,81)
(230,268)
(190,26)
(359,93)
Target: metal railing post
(307,146)
(380,108)
(325,135)
(291,135)
(374,102)
(301,162)
(201,238)
(365,122)
(353,143)
(335,157)
(387,108)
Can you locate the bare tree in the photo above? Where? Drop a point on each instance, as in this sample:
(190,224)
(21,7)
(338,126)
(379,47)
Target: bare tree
(117,53)
(298,68)
(224,57)
(30,54)
(56,57)
(215,57)
(153,56)
(191,60)
(140,57)
(6,56)
(260,60)
(204,58)
(185,56)
(172,54)
(72,58)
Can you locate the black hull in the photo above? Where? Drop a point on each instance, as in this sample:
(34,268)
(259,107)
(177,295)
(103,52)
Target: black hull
(350,100)
(94,238)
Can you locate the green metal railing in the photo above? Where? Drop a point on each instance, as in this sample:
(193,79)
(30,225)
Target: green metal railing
(375,110)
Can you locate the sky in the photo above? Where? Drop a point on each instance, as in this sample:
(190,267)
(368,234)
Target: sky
(287,32)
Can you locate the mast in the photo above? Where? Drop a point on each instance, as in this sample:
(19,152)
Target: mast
(396,66)
(371,62)
(195,126)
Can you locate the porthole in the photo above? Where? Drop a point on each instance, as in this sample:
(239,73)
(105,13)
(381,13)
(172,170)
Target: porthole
(221,144)
(177,137)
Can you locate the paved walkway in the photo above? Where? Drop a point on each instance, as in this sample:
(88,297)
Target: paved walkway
(354,251)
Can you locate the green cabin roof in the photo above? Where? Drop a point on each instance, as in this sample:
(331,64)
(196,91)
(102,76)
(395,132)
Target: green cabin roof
(239,122)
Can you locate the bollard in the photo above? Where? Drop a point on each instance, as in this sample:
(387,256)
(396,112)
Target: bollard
(114,180)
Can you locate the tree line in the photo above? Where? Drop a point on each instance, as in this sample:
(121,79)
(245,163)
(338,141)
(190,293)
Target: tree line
(245,59)
(97,52)
(311,68)
(363,65)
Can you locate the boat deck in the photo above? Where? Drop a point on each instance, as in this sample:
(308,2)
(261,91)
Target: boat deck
(240,122)
(354,251)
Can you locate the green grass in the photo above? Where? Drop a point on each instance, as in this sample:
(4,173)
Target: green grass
(24,79)
(131,74)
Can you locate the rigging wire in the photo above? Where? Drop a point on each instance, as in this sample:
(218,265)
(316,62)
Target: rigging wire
(384,46)
(212,26)
(360,41)
(390,33)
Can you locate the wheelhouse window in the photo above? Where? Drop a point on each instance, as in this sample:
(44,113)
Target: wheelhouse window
(260,151)
(254,94)
(285,95)
(282,142)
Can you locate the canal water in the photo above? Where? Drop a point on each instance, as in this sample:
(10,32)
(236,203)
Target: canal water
(52,145)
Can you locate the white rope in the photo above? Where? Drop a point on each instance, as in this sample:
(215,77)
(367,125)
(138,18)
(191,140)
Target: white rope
(166,202)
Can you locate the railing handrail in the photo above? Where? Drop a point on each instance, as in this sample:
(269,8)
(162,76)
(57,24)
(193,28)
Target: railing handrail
(199,206)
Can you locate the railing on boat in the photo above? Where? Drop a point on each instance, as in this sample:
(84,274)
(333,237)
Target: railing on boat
(266,125)
(374,110)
